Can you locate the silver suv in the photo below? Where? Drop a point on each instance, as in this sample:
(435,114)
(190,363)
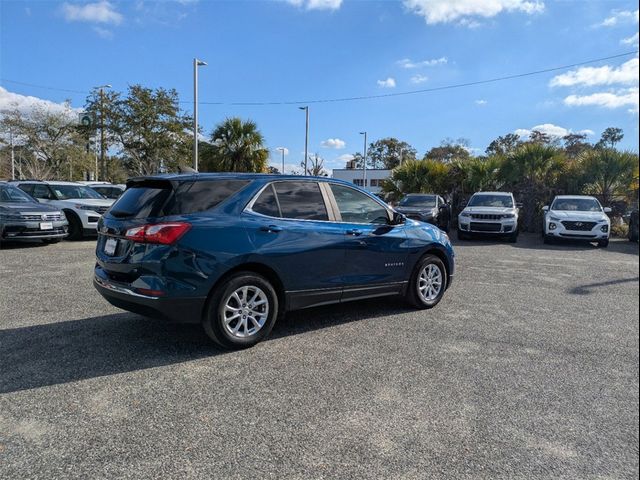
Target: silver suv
(489,213)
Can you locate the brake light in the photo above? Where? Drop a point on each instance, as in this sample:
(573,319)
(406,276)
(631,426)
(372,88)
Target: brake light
(162,233)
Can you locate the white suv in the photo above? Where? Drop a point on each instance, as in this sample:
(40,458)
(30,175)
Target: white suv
(82,205)
(576,217)
(489,213)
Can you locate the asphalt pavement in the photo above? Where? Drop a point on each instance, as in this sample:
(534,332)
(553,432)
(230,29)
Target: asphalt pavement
(527,369)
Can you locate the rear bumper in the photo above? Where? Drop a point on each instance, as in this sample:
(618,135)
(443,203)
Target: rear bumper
(178,310)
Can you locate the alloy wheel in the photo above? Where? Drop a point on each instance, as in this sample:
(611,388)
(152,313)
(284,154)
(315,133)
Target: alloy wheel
(245,311)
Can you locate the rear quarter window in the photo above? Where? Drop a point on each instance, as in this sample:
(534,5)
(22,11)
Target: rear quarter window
(205,195)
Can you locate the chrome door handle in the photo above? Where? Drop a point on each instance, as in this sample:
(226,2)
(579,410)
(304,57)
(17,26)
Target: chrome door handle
(355,232)
(271,229)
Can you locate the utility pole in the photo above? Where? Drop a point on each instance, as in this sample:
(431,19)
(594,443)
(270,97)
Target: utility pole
(364,161)
(103,164)
(196,63)
(306,137)
(13,158)
(282,149)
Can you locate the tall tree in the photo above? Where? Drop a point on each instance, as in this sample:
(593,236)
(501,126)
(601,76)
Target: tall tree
(389,153)
(575,144)
(540,138)
(419,176)
(610,137)
(449,150)
(315,166)
(504,145)
(236,146)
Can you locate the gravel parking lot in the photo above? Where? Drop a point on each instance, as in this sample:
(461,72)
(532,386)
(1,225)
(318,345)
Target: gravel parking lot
(527,369)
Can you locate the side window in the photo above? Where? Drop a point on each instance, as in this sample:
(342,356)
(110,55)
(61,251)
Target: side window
(266,203)
(27,187)
(301,200)
(204,195)
(42,191)
(356,207)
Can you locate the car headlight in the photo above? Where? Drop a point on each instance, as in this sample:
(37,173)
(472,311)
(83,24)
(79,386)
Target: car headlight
(554,219)
(85,207)
(11,216)
(509,215)
(603,220)
(465,214)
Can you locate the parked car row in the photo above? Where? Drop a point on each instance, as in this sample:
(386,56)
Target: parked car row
(53,210)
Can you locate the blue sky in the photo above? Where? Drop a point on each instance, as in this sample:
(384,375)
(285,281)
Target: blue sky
(299,50)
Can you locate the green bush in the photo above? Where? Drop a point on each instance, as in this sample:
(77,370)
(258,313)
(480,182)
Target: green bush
(620,231)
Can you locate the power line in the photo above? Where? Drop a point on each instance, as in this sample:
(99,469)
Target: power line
(372,97)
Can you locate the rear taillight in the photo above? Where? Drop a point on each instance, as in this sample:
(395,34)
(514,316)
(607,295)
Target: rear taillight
(163,233)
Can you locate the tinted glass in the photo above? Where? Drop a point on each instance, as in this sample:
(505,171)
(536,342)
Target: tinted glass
(577,205)
(301,200)
(10,194)
(356,207)
(42,191)
(504,201)
(27,187)
(266,203)
(109,192)
(204,195)
(141,201)
(428,201)
(65,192)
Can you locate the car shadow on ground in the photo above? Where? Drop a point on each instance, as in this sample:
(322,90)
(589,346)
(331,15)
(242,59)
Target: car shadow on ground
(532,241)
(62,352)
(590,287)
(15,245)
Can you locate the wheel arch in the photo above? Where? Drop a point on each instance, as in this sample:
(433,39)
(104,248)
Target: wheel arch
(438,252)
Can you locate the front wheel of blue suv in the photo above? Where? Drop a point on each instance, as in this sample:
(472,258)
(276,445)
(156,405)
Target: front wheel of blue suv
(428,282)
(241,311)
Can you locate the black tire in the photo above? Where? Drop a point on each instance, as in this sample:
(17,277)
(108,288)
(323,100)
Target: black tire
(462,235)
(603,243)
(75,226)
(214,324)
(547,239)
(413,296)
(51,240)
(513,238)
(447,227)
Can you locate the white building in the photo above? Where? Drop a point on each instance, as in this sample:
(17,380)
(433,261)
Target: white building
(373,178)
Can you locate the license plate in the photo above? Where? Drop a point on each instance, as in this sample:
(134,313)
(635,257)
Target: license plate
(46,226)
(110,246)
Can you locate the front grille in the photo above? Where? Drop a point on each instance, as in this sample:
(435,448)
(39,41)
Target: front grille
(485,216)
(579,226)
(486,227)
(37,217)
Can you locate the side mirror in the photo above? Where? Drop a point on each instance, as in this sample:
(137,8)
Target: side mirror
(398,218)
(607,209)
(545,208)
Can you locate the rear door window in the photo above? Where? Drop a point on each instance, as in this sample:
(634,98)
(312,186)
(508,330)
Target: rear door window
(142,201)
(42,191)
(301,200)
(266,203)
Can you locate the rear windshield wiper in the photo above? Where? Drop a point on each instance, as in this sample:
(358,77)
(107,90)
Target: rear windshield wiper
(120,213)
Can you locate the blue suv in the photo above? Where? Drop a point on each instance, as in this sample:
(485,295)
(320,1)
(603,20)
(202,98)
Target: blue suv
(235,251)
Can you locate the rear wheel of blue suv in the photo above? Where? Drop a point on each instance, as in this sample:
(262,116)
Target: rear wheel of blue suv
(234,252)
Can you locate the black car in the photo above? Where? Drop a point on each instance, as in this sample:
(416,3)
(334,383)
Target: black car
(427,208)
(633,226)
(22,217)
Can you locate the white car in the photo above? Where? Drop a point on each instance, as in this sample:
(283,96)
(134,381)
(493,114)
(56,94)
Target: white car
(576,217)
(489,213)
(82,205)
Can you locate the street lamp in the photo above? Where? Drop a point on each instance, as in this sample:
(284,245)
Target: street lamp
(282,149)
(306,137)
(103,165)
(196,63)
(364,161)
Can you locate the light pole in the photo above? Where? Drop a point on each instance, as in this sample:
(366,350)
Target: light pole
(103,166)
(364,161)
(196,63)
(282,149)
(13,158)
(306,137)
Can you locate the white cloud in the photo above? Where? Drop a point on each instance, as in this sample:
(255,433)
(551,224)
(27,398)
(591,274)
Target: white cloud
(632,40)
(317,4)
(481,102)
(388,83)
(627,73)
(416,79)
(25,104)
(103,32)
(622,98)
(618,17)
(99,12)
(334,143)
(554,131)
(447,11)
(408,63)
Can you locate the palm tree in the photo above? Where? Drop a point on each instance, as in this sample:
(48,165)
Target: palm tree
(608,172)
(477,174)
(236,146)
(419,176)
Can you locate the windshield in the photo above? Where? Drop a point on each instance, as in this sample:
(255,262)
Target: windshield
(504,201)
(10,194)
(66,192)
(577,205)
(428,201)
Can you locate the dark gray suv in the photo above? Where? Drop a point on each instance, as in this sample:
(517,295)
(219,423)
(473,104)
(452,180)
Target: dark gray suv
(22,217)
